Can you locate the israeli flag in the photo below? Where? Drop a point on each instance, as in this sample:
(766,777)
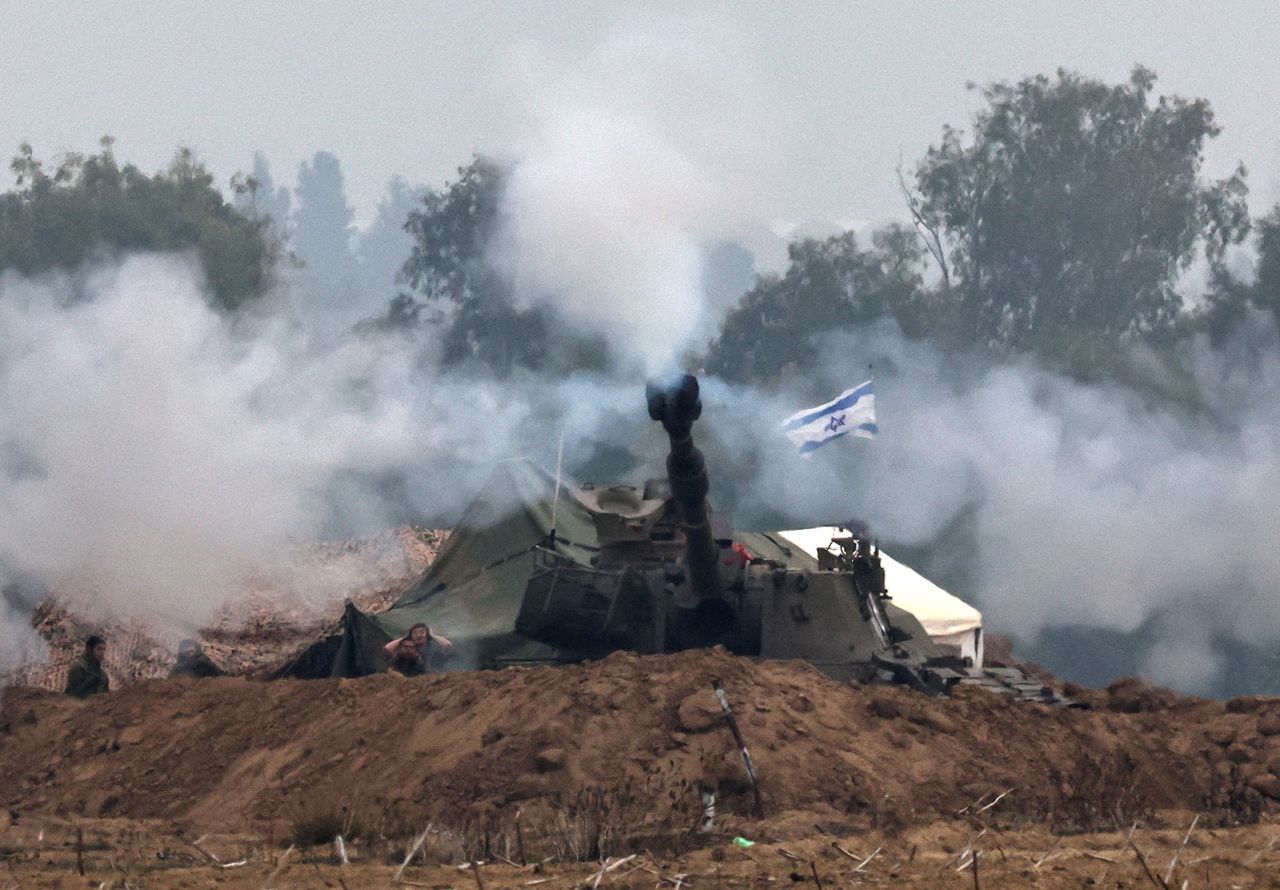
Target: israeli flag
(853,412)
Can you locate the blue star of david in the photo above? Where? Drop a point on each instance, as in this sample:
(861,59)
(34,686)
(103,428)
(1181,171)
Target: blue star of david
(835,423)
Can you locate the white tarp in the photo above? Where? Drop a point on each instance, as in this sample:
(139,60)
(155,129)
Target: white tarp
(948,620)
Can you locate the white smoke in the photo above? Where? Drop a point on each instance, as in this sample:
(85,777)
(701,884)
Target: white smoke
(19,643)
(1089,505)
(595,225)
(619,189)
(158,470)
(156,455)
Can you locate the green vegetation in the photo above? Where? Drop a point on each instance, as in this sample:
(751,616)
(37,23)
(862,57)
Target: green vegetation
(452,231)
(1231,298)
(828,285)
(1074,207)
(91,207)
(1059,227)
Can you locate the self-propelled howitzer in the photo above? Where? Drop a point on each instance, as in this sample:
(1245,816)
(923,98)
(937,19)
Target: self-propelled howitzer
(668,577)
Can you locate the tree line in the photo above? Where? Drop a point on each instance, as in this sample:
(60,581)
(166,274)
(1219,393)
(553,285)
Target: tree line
(1060,223)
(91,206)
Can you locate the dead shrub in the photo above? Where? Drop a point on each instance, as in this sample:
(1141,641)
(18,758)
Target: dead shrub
(317,820)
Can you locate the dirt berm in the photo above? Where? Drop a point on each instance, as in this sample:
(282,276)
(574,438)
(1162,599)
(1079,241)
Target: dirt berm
(637,736)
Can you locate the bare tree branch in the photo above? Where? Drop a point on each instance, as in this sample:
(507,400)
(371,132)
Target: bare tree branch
(927,231)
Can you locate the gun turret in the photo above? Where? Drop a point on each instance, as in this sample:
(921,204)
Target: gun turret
(674,401)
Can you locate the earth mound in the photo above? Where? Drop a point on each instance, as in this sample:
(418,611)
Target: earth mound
(630,744)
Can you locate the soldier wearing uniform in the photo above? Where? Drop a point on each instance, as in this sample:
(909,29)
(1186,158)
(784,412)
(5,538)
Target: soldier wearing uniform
(87,675)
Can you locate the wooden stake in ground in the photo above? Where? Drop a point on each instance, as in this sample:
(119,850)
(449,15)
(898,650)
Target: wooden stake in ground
(280,866)
(813,866)
(520,840)
(1142,860)
(861,866)
(417,845)
(1045,858)
(80,850)
(1173,863)
(742,746)
(964,855)
(606,867)
(213,860)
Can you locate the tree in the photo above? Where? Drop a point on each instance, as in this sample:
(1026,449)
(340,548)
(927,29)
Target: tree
(1074,207)
(91,206)
(727,272)
(1266,292)
(452,232)
(385,245)
(322,230)
(828,285)
(256,195)
(1231,299)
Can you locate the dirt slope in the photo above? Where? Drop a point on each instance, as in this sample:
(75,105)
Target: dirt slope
(628,740)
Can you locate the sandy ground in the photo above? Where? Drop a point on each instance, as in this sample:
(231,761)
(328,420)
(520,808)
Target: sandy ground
(56,853)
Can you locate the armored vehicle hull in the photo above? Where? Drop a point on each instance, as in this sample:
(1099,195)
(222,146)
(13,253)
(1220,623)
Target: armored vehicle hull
(665,579)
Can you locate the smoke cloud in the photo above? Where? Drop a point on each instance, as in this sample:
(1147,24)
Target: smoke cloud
(19,643)
(156,454)
(619,190)
(1084,505)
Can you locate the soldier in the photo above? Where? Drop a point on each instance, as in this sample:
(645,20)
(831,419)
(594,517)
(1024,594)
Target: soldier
(87,676)
(408,661)
(192,662)
(420,643)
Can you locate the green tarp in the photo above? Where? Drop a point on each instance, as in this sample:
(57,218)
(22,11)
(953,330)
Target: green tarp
(473,590)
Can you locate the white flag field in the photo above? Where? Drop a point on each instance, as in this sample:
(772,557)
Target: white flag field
(853,412)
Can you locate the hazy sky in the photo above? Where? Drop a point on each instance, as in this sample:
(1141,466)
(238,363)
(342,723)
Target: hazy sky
(806,106)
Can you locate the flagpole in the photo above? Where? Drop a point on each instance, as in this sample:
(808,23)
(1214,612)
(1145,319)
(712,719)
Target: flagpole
(555,502)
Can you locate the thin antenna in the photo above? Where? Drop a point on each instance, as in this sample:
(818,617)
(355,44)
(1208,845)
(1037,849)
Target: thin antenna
(555,503)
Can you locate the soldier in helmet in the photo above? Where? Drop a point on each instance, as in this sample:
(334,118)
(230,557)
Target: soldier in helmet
(87,675)
(192,662)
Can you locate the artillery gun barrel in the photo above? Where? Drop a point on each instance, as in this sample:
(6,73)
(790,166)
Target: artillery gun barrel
(674,401)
